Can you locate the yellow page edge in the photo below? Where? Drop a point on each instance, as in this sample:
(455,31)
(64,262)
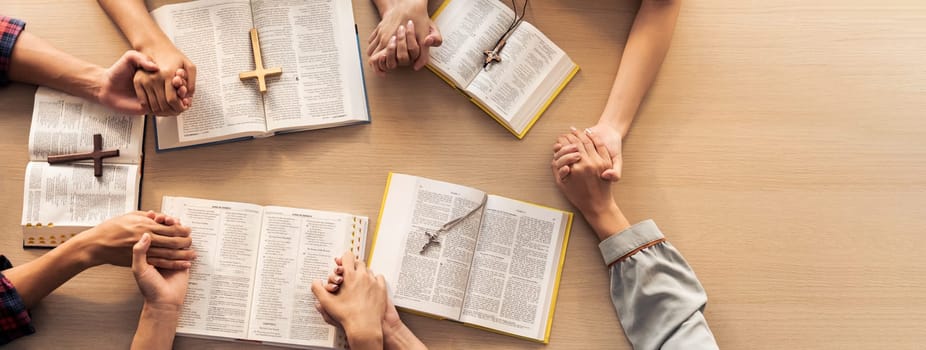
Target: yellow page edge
(379,219)
(440,9)
(547,104)
(485,109)
(559,275)
(499,119)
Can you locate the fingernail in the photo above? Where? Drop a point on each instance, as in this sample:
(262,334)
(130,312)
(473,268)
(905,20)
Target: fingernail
(572,128)
(339,280)
(335,287)
(588,131)
(409,23)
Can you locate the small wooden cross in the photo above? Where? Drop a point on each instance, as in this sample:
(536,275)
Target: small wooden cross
(259,72)
(495,55)
(97,155)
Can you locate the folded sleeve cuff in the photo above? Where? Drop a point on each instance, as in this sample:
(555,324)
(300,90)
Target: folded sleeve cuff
(15,321)
(9,32)
(631,240)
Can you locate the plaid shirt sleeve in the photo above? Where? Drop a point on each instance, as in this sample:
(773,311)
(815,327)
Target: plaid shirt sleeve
(15,321)
(9,32)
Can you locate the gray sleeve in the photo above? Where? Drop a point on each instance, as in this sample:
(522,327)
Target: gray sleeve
(656,294)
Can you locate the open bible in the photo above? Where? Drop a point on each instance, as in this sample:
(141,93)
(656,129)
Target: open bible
(516,90)
(455,252)
(62,200)
(254,269)
(315,42)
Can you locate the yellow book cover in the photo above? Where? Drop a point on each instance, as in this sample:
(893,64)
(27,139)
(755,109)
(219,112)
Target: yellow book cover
(530,238)
(519,88)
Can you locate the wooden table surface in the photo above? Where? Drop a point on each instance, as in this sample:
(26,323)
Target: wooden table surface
(782,150)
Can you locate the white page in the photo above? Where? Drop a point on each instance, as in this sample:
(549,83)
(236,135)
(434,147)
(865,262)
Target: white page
(213,34)
(433,282)
(528,60)
(469,28)
(297,246)
(515,266)
(65,124)
(316,45)
(70,196)
(226,237)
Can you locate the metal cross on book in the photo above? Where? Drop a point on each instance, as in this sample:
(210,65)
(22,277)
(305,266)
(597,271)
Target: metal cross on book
(260,73)
(97,155)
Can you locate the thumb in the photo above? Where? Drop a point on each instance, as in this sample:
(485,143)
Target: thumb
(611,175)
(140,254)
(318,288)
(130,106)
(140,60)
(434,37)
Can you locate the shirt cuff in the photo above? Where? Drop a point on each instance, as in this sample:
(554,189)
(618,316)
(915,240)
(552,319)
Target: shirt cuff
(15,321)
(630,241)
(9,32)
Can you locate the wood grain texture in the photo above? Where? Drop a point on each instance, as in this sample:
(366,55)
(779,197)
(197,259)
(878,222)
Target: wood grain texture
(782,150)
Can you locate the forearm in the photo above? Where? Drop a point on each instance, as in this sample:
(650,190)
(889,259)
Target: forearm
(400,337)
(35,61)
(36,279)
(606,219)
(156,327)
(656,294)
(646,48)
(132,17)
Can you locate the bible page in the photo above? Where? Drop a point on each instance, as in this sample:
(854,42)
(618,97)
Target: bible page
(297,246)
(427,278)
(65,124)
(226,237)
(469,27)
(213,34)
(514,88)
(316,45)
(516,268)
(70,196)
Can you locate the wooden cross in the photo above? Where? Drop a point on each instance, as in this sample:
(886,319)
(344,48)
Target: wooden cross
(259,72)
(97,155)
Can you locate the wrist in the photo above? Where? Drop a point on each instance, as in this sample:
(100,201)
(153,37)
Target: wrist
(606,220)
(156,328)
(160,311)
(80,252)
(385,6)
(360,338)
(86,82)
(150,42)
(615,123)
(398,336)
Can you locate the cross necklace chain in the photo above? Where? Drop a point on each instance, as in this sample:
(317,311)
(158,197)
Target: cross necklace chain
(495,55)
(433,237)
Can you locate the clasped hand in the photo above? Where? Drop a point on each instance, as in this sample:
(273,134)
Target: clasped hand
(111,242)
(403,37)
(137,84)
(578,166)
